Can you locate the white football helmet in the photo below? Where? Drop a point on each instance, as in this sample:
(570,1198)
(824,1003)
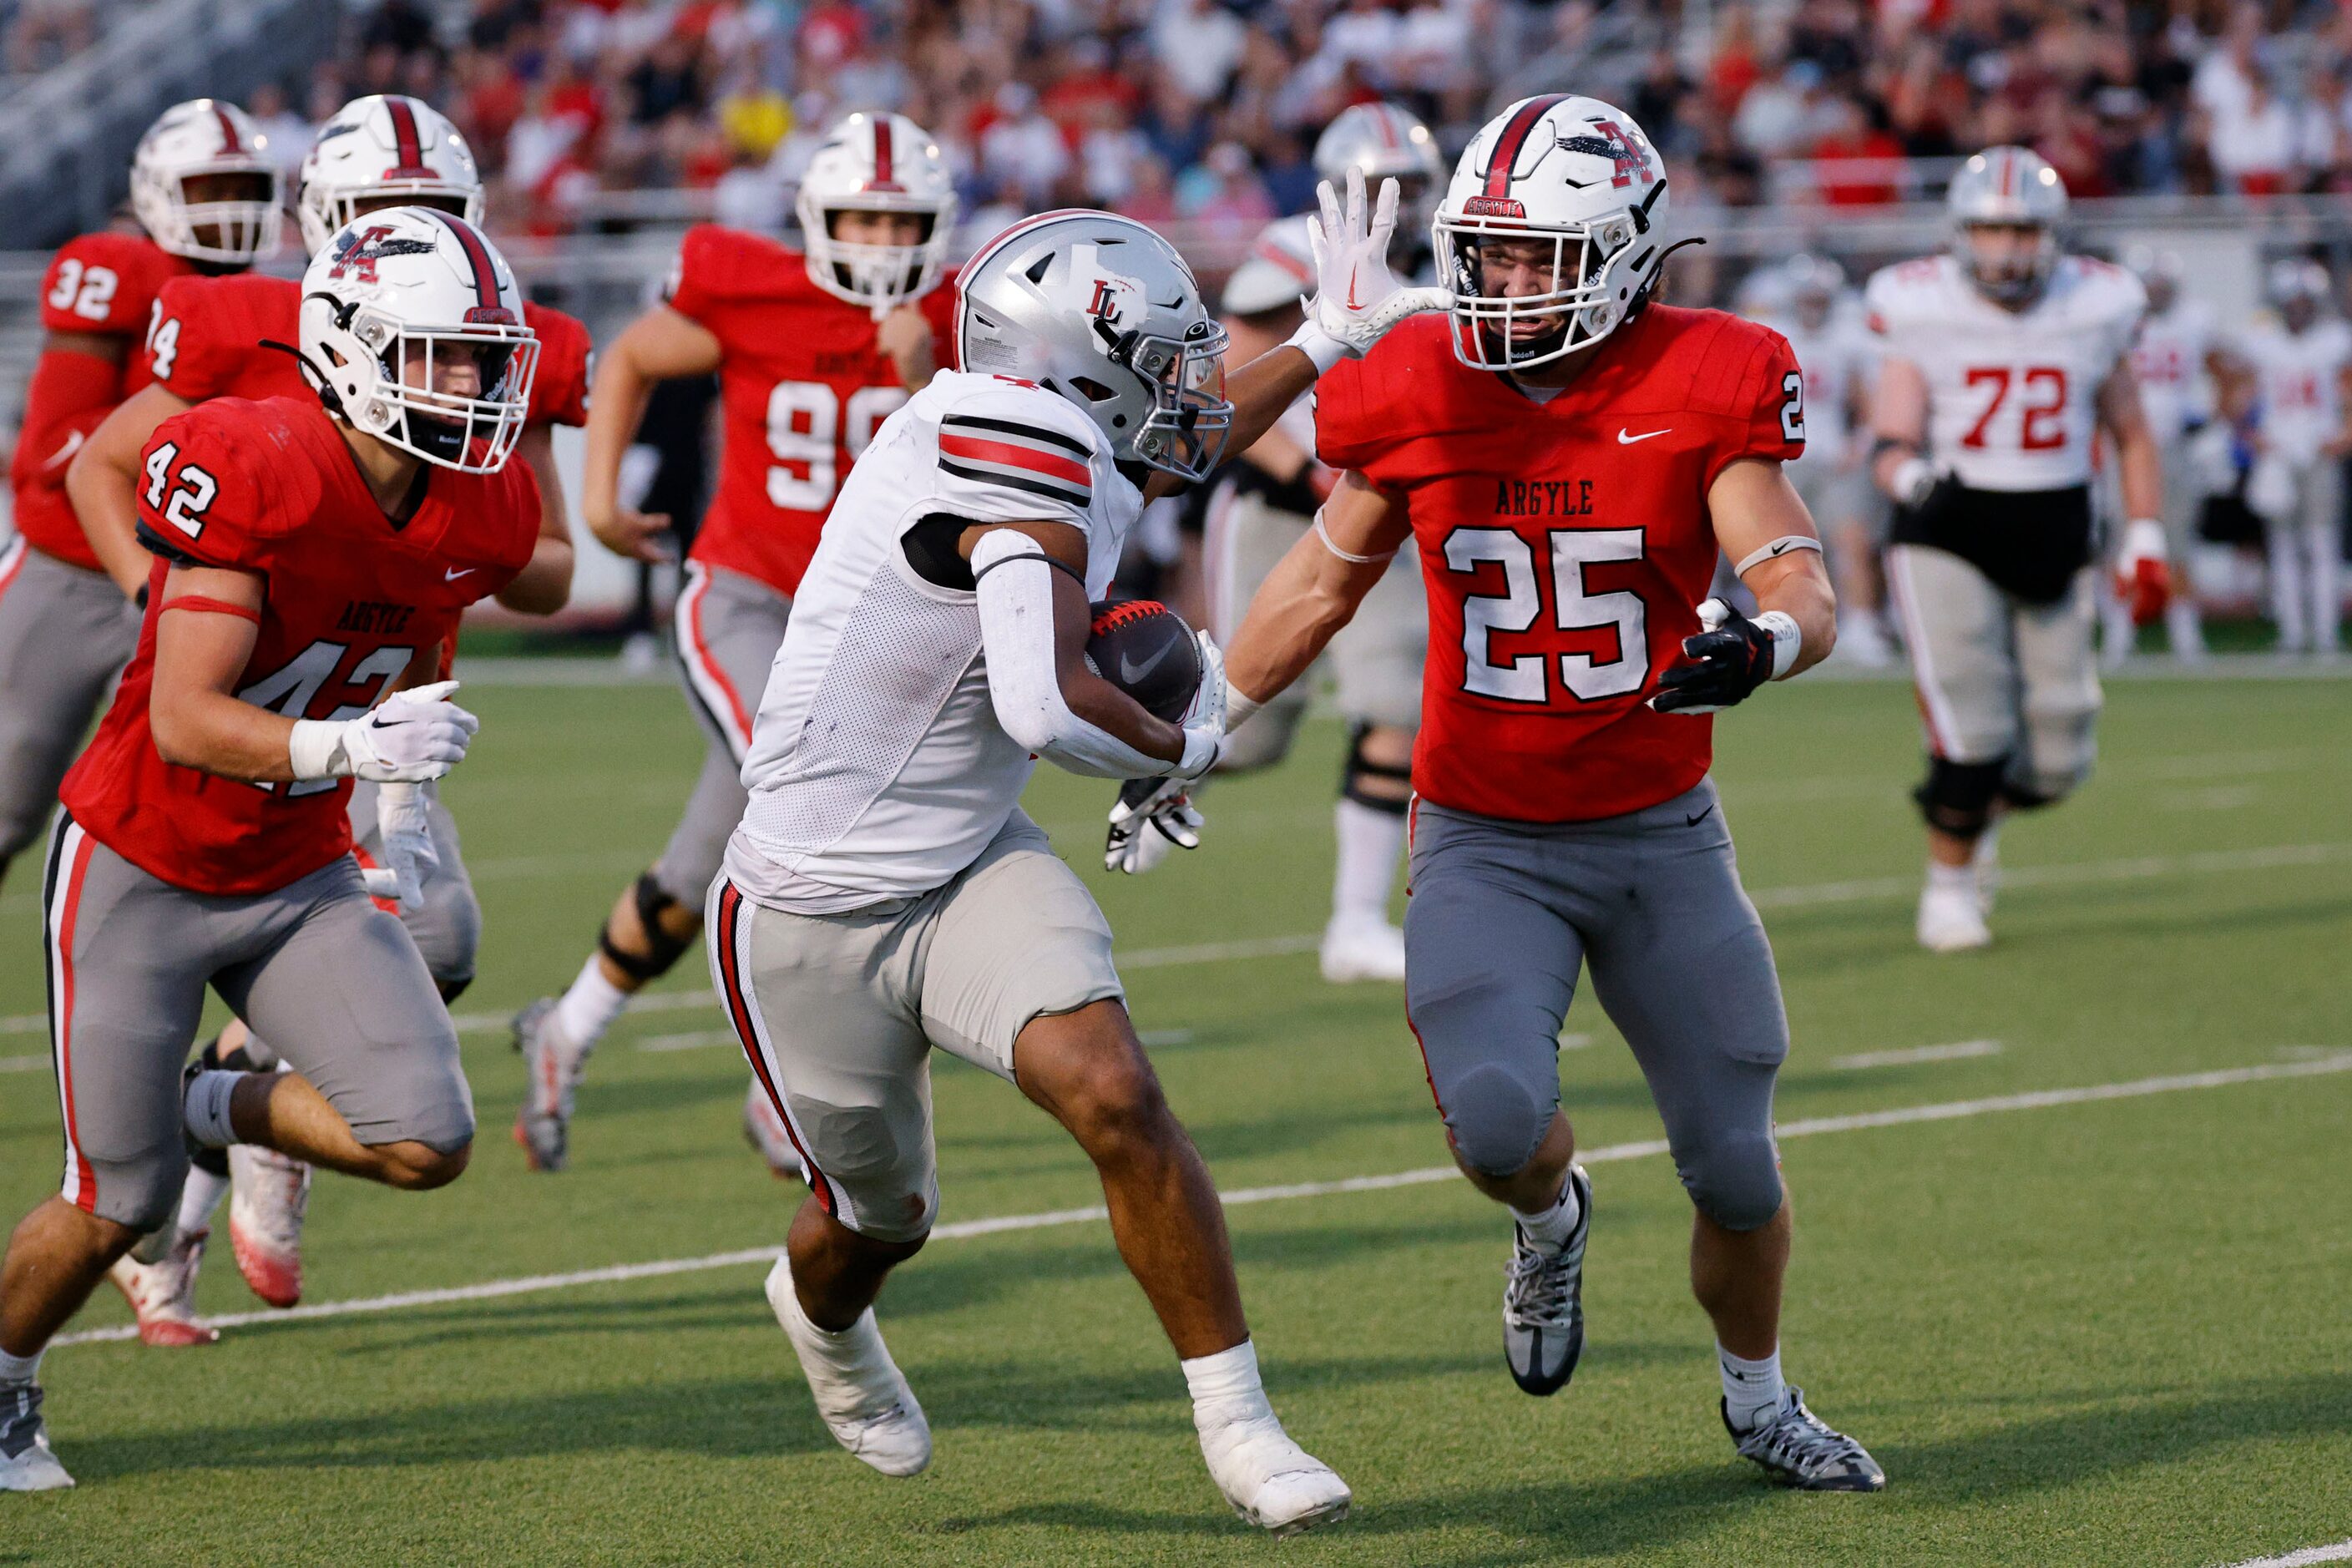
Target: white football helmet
(1566,172)
(1278,270)
(1102,312)
(1814,283)
(1386,143)
(232,217)
(877,163)
(2008,187)
(388,150)
(388,304)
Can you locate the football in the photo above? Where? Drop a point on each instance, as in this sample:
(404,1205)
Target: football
(1144,648)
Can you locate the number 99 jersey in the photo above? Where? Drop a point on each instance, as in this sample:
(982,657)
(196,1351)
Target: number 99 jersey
(2011,394)
(803,387)
(1565,546)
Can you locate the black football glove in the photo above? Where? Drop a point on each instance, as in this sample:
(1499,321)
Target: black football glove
(1727,661)
(1152,815)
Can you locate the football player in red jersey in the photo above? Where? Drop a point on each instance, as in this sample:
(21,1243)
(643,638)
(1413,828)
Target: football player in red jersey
(1570,456)
(205,191)
(314,553)
(215,337)
(812,351)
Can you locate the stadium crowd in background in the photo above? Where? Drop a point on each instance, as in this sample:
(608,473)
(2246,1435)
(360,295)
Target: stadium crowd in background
(1203,110)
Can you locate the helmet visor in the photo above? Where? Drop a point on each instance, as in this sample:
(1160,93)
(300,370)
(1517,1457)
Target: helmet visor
(457,396)
(228,215)
(866,269)
(1190,416)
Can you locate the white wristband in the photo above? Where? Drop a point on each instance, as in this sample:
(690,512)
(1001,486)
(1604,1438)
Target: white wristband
(2144,540)
(316,749)
(1318,346)
(1787,640)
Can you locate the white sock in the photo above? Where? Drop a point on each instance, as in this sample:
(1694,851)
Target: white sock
(205,1111)
(1551,1229)
(1225,1385)
(1370,844)
(199,1198)
(589,1008)
(1750,1388)
(20,1368)
(1952,878)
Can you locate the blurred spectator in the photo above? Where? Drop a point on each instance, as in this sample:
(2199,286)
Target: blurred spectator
(287,133)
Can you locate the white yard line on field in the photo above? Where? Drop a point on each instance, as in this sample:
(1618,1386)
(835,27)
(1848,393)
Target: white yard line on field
(2336,1551)
(1950,1052)
(1950,1111)
(2262,857)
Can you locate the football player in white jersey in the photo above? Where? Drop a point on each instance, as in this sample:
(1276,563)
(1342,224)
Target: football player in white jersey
(2004,359)
(1806,298)
(2302,368)
(884,893)
(1263,503)
(2174,361)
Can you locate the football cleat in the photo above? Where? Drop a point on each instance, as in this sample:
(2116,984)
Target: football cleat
(267,1195)
(1797,1448)
(764,1131)
(1361,947)
(163,1294)
(1952,919)
(1268,1479)
(553,1063)
(1543,1303)
(25,1463)
(858,1389)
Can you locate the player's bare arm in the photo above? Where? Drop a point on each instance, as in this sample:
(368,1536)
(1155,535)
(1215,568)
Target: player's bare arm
(1899,423)
(1313,592)
(204,641)
(113,348)
(103,483)
(660,345)
(1758,513)
(544,586)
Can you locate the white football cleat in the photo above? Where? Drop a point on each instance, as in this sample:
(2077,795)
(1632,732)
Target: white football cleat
(1268,1479)
(1359,946)
(25,1463)
(269,1195)
(163,1294)
(859,1388)
(764,1131)
(1952,919)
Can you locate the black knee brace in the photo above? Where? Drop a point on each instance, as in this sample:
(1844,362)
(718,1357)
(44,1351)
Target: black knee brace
(1359,768)
(662,949)
(1957,797)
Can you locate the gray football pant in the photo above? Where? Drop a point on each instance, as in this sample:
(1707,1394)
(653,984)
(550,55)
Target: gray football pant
(1501,917)
(65,634)
(729,629)
(315,966)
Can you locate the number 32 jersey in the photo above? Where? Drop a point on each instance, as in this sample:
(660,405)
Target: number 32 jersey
(803,387)
(1565,546)
(2011,394)
(349,597)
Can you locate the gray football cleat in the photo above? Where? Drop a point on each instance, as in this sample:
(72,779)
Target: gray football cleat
(1797,1448)
(1543,1303)
(552,1064)
(25,1463)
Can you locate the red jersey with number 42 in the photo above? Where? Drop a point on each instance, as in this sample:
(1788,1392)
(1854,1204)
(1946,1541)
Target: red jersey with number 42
(102,284)
(1565,546)
(209,337)
(271,487)
(804,389)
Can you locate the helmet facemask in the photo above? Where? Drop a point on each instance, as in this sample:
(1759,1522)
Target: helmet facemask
(471,427)
(2015,276)
(1598,279)
(1184,434)
(880,277)
(227,216)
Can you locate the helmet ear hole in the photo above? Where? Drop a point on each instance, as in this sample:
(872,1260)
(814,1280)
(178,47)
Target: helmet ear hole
(1096,391)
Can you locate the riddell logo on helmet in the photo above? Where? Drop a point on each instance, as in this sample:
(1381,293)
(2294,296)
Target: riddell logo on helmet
(1493,207)
(359,250)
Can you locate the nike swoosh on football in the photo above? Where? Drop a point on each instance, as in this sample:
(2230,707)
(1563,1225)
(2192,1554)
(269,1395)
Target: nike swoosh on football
(64,453)
(1131,673)
(1626,440)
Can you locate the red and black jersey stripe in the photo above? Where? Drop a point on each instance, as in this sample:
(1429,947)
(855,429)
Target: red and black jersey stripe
(1024,457)
(1506,155)
(408,158)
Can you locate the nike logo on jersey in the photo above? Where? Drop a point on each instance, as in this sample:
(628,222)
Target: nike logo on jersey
(453,574)
(64,454)
(1626,440)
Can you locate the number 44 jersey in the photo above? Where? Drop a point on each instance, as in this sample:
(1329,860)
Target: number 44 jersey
(804,388)
(1566,545)
(349,597)
(2011,394)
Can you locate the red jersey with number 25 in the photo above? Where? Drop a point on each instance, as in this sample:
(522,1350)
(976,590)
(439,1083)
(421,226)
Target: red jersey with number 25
(802,388)
(1565,546)
(271,487)
(209,338)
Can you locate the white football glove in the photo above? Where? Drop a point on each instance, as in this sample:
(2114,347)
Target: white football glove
(1152,815)
(408,738)
(1203,722)
(404,821)
(1357,298)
